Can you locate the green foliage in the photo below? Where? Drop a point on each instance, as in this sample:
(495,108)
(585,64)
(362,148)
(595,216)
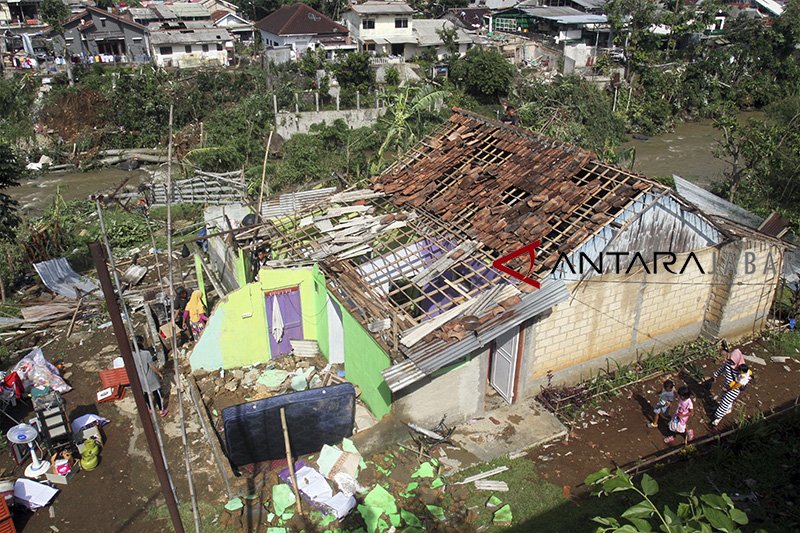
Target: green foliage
(392,76)
(17,94)
(12,169)
(140,109)
(321,155)
(54,13)
(709,512)
(236,135)
(574,110)
(763,159)
(408,110)
(485,74)
(354,71)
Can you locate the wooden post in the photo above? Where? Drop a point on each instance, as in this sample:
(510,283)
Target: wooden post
(296,103)
(337,101)
(316,97)
(358,100)
(74,316)
(290,460)
(275,106)
(264,172)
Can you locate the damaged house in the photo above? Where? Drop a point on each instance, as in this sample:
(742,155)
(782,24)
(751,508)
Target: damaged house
(424,289)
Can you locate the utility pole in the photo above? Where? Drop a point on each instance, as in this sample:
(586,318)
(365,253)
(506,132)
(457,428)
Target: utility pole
(123,342)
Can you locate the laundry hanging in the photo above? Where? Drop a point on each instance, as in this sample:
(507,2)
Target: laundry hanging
(277,320)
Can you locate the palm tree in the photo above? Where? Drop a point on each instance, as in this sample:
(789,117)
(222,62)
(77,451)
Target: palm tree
(407,108)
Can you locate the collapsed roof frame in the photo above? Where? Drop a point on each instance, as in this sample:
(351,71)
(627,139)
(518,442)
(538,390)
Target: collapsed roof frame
(404,265)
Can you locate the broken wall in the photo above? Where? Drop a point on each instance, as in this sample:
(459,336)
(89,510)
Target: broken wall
(457,391)
(236,334)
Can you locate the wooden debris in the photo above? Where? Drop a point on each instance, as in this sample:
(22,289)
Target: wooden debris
(305,348)
(496,486)
(483,475)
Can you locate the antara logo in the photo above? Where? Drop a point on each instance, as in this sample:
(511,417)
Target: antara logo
(500,264)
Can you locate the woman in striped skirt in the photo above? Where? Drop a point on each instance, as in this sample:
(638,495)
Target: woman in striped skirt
(737,376)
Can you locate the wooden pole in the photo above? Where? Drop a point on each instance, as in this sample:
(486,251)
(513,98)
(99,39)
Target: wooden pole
(264,176)
(138,394)
(290,461)
(176,365)
(74,316)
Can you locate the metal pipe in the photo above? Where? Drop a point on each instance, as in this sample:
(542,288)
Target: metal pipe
(121,335)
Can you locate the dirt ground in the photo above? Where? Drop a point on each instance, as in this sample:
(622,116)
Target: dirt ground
(620,435)
(122,493)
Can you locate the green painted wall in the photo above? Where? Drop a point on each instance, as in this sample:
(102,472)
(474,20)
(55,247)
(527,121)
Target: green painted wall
(238,322)
(364,360)
(241,266)
(236,334)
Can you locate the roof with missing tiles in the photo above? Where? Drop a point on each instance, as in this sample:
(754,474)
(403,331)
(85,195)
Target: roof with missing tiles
(508,187)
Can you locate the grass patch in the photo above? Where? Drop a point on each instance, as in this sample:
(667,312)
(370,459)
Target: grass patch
(209,517)
(782,343)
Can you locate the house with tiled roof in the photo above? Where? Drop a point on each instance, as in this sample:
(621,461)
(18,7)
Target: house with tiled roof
(483,262)
(300,27)
(95,34)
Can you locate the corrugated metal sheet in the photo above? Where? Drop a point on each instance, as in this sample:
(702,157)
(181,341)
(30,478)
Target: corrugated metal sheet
(427,357)
(714,205)
(58,276)
(291,203)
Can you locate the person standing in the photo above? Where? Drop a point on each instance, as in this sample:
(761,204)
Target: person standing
(678,424)
(151,377)
(736,375)
(195,313)
(665,399)
(259,261)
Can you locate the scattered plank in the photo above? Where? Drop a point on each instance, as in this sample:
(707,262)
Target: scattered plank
(755,359)
(302,348)
(496,486)
(483,475)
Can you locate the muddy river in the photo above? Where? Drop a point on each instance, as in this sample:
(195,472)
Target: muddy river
(36,194)
(687,152)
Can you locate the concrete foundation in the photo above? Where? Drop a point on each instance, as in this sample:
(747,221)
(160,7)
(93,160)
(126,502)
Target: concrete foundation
(289,124)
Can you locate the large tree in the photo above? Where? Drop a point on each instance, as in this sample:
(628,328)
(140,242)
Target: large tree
(764,159)
(55,13)
(485,74)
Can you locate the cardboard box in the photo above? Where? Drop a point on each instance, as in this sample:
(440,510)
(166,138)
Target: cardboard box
(58,479)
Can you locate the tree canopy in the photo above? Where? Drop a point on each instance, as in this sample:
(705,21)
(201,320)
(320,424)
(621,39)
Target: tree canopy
(485,74)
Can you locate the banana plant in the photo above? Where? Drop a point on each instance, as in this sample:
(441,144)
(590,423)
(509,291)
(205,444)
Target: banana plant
(406,109)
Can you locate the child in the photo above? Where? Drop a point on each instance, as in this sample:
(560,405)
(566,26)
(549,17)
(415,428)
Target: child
(678,423)
(666,397)
(737,380)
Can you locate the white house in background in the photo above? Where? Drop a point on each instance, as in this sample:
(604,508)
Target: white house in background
(299,27)
(389,28)
(381,27)
(191,47)
(239,27)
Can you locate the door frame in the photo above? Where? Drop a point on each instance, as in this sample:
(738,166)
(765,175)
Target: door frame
(275,291)
(517,364)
